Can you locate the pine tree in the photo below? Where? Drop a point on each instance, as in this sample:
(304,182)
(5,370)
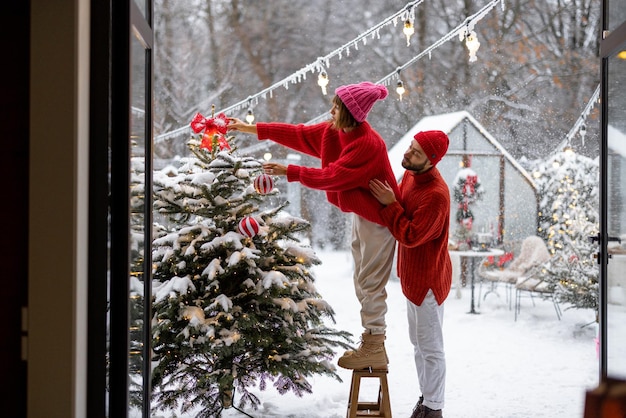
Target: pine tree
(568,217)
(231,311)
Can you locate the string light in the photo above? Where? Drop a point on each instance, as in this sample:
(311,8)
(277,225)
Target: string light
(408,31)
(458,31)
(400,89)
(373,31)
(322,81)
(250,117)
(472,44)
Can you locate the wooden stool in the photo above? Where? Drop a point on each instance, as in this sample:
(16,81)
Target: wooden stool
(380,408)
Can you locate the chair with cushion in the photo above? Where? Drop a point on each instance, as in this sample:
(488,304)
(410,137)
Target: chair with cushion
(533,252)
(533,285)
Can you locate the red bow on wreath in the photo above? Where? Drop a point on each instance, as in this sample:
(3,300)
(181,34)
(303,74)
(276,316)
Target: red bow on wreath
(213,128)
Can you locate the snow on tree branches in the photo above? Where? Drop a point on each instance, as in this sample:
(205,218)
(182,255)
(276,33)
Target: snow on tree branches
(230,312)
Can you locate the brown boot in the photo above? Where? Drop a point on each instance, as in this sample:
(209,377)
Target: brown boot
(350,352)
(370,354)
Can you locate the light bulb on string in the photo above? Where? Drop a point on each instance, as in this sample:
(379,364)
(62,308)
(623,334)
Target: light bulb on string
(322,81)
(400,89)
(408,31)
(472,44)
(250,117)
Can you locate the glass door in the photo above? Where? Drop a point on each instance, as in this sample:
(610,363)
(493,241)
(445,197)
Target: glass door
(613,193)
(616,216)
(140,216)
(129,217)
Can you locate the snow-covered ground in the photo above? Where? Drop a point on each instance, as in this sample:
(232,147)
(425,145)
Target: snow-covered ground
(497,367)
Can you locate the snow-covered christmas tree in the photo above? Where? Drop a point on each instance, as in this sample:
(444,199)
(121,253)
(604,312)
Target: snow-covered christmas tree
(568,218)
(467,190)
(235,305)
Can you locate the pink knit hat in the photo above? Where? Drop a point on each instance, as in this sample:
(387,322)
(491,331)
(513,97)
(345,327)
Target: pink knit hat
(360,98)
(434,144)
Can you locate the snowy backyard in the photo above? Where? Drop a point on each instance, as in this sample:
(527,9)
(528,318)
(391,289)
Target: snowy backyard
(497,367)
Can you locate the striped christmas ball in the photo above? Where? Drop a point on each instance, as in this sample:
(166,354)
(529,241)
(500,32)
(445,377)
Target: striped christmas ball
(248,226)
(263,184)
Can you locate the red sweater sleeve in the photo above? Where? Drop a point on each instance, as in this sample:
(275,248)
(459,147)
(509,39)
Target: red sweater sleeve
(349,160)
(353,169)
(303,138)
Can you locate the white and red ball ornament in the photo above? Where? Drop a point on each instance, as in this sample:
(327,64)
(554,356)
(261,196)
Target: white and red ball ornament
(248,227)
(263,184)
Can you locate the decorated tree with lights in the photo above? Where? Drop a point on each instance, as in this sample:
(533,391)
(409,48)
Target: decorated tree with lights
(467,190)
(568,218)
(235,306)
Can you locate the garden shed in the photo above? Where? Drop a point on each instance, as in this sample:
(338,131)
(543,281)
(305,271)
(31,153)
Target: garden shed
(509,203)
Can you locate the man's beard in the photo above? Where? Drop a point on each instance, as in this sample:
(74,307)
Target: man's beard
(417,168)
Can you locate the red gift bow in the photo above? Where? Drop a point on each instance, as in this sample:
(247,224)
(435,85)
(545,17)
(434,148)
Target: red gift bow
(211,126)
(216,126)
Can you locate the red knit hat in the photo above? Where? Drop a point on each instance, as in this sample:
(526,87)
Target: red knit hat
(360,98)
(434,144)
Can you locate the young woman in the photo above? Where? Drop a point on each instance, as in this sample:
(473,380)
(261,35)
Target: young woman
(351,153)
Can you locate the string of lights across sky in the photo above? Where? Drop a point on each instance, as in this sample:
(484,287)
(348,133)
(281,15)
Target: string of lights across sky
(406,14)
(464,32)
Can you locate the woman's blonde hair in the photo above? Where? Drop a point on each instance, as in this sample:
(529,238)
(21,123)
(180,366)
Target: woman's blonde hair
(345,119)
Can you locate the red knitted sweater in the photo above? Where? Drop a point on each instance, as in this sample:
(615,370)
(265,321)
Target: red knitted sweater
(420,222)
(349,161)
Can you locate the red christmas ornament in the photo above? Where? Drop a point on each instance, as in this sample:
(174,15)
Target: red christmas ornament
(248,226)
(263,184)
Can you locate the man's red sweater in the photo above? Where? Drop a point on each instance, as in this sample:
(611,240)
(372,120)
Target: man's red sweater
(349,161)
(420,222)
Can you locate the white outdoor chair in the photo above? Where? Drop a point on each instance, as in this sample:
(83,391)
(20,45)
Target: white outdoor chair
(533,252)
(534,286)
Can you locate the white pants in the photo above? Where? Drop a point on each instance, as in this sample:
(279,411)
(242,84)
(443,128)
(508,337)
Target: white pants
(373,247)
(426,334)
